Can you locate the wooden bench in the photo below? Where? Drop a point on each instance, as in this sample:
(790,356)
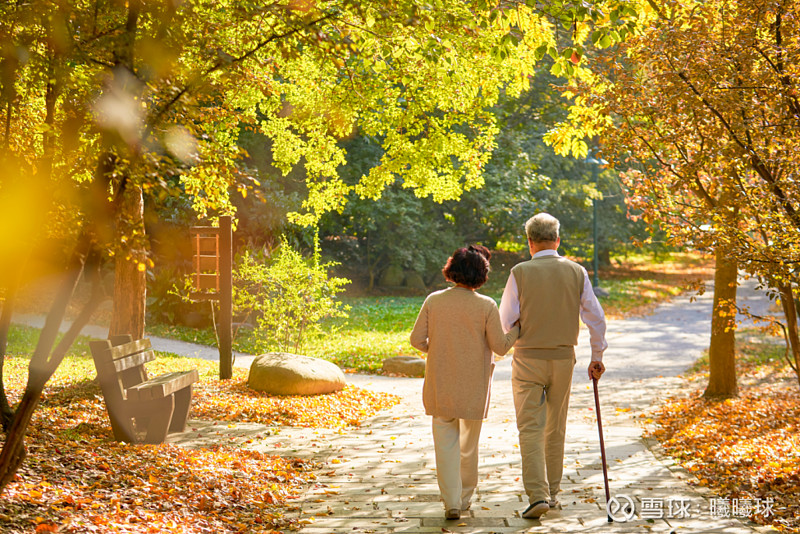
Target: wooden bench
(141,410)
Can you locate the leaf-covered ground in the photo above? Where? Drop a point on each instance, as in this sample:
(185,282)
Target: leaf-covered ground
(85,483)
(746,447)
(232,400)
(77,479)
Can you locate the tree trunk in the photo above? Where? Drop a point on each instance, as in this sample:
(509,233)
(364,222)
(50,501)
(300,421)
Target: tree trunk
(13,452)
(790,312)
(6,413)
(721,350)
(130,264)
(604,256)
(14,447)
(130,284)
(44,364)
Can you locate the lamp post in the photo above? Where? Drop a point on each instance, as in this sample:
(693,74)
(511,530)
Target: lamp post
(595,164)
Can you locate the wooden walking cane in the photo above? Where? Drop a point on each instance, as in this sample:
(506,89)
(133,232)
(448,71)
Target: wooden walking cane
(602,447)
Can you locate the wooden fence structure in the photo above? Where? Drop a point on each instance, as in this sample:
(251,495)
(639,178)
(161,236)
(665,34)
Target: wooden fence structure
(213,280)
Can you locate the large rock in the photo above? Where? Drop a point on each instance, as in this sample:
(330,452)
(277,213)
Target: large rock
(404,365)
(392,276)
(414,281)
(280,373)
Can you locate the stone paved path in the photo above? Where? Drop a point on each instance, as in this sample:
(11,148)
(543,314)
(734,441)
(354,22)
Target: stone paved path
(380,478)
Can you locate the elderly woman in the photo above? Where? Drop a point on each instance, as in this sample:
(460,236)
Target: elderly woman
(459,329)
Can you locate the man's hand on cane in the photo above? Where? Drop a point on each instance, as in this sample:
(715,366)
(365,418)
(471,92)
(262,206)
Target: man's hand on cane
(596,370)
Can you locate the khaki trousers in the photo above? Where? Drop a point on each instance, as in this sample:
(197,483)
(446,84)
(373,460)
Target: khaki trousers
(541,399)
(456,444)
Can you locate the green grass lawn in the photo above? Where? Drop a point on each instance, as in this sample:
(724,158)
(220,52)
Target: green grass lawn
(756,353)
(377,327)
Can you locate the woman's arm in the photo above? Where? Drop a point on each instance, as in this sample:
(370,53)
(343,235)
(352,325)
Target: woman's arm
(419,334)
(499,342)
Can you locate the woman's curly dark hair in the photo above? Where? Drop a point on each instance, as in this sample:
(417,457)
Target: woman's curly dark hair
(468,266)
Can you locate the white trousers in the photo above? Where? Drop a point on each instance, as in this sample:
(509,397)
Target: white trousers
(456,444)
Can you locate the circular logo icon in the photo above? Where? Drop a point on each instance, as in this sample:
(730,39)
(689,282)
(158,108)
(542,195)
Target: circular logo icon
(621,508)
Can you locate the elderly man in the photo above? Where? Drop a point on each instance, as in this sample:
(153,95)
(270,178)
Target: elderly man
(547,294)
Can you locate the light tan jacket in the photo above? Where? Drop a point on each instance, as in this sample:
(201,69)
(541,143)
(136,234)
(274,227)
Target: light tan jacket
(459,329)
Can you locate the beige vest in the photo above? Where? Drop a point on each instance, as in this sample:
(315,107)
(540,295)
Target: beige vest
(550,289)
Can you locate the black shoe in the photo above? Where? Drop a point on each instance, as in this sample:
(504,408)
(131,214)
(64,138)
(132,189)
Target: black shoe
(536,510)
(453,513)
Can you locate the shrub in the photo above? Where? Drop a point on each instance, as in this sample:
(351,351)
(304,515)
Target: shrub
(287,294)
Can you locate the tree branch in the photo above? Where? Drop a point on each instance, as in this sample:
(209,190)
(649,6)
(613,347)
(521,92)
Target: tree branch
(682,75)
(98,295)
(779,67)
(233,61)
(755,161)
(7,138)
(671,168)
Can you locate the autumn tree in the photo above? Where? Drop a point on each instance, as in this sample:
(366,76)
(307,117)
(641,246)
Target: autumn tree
(703,98)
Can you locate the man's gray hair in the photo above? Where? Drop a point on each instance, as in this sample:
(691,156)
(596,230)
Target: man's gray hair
(542,227)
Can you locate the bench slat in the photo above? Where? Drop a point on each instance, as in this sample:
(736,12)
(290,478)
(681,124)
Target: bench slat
(133,360)
(161,386)
(120,351)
